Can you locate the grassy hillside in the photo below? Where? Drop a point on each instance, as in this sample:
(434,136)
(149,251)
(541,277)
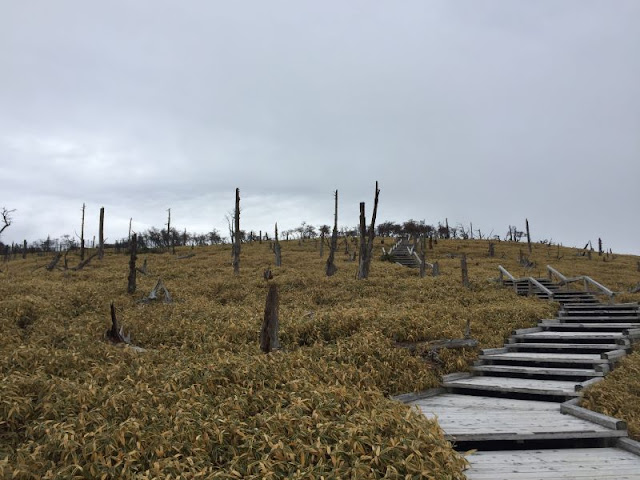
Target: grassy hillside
(204,400)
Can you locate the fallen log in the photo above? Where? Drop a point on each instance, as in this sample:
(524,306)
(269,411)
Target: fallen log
(189,255)
(54,262)
(436,345)
(159,289)
(84,263)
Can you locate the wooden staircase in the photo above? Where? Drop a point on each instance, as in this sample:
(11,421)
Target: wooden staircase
(403,254)
(523,397)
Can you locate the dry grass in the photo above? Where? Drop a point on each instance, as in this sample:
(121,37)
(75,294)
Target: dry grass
(203,400)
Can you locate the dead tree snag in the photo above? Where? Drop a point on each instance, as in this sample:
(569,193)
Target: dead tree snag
(236,235)
(101,235)
(82,234)
(367,238)
(277,251)
(269,331)
(131,286)
(528,235)
(330,268)
(463,268)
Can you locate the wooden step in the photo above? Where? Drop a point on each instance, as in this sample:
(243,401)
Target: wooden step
(546,358)
(581,318)
(588,326)
(480,418)
(556,388)
(565,347)
(593,337)
(521,371)
(554,464)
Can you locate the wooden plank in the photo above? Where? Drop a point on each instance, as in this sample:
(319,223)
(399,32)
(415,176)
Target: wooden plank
(583,464)
(629,445)
(517,385)
(466,418)
(566,372)
(564,346)
(455,376)
(585,358)
(614,354)
(414,396)
(588,383)
(606,421)
(570,336)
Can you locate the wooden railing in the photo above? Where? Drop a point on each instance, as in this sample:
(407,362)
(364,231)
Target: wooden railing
(532,283)
(586,281)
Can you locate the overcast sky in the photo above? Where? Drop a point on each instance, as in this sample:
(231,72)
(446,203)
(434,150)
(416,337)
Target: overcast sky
(478,111)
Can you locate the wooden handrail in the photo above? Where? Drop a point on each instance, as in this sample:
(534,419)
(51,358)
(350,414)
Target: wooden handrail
(533,282)
(504,272)
(552,271)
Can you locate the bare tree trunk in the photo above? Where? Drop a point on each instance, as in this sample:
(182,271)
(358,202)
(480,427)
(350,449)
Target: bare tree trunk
(471,231)
(24,249)
(129,237)
(269,331)
(321,244)
(101,235)
(277,251)
(131,287)
(236,240)
(600,247)
(446,222)
(82,235)
(492,249)
(260,239)
(430,243)
(367,238)
(465,273)
(435,270)
(330,268)
(528,235)
(423,258)
(169,228)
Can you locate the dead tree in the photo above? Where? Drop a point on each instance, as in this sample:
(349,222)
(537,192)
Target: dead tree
(116,333)
(423,258)
(277,251)
(6,219)
(367,238)
(330,267)
(269,331)
(131,286)
(24,249)
(54,261)
(143,270)
(101,235)
(158,289)
(492,249)
(600,251)
(528,235)
(435,269)
(82,234)
(260,237)
(129,237)
(463,268)
(236,235)
(430,243)
(84,263)
(448,234)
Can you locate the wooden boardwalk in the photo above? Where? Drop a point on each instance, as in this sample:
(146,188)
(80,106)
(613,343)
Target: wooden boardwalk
(575,463)
(528,391)
(467,418)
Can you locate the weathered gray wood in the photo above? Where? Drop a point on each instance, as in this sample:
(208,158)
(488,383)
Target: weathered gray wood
(571,408)
(548,464)
(236,235)
(517,385)
(629,445)
(101,235)
(367,238)
(586,358)
(131,285)
(614,354)
(491,351)
(435,269)
(414,396)
(523,331)
(54,261)
(455,376)
(277,250)
(528,235)
(82,234)
(330,267)
(463,268)
(588,383)
(561,372)
(436,345)
(269,331)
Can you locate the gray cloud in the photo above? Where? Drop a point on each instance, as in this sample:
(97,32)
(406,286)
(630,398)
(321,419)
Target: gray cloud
(488,112)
